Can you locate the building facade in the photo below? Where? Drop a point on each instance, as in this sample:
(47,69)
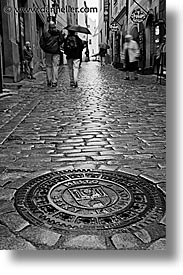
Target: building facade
(72,17)
(117,29)
(145,20)
(149,32)
(24,22)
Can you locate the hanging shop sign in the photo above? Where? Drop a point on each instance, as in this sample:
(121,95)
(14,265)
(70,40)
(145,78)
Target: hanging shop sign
(114,27)
(138,16)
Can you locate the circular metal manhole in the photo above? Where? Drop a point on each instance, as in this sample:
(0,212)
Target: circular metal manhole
(85,201)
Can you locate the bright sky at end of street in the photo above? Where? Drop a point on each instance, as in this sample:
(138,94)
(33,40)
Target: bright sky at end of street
(92,4)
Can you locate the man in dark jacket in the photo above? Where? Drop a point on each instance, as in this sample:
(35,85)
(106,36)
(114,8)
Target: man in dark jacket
(50,43)
(73,47)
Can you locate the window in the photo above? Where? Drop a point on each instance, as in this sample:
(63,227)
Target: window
(90,42)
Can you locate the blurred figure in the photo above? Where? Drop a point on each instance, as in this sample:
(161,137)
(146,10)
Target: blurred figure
(51,42)
(28,60)
(102,54)
(73,47)
(130,56)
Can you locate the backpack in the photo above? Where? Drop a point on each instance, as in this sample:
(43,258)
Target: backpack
(71,43)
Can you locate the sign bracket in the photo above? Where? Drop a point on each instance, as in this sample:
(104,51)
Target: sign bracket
(140,6)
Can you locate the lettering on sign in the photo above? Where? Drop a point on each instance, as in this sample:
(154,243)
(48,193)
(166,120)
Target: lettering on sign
(114,27)
(138,16)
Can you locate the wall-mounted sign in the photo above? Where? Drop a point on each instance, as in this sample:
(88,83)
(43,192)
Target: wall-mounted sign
(114,27)
(138,16)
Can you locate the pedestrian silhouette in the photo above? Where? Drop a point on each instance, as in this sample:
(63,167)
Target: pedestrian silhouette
(28,60)
(130,56)
(73,47)
(51,42)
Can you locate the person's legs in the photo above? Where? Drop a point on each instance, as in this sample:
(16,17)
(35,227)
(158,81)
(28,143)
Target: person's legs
(134,69)
(127,69)
(127,77)
(31,69)
(76,70)
(55,67)
(80,61)
(135,75)
(48,57)
(102,60)
(27,68)
(71,73)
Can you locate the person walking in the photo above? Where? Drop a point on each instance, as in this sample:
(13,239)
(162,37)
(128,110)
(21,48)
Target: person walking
(28,60)
(130,56)
(102,54)
(73,47)
(51,42)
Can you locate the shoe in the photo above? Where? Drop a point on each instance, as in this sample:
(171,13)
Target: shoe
(127,78)
(32,77)
(136,77)
(49,84)
(54,85)
(74,85)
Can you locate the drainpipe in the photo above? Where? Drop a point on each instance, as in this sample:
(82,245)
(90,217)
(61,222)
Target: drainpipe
(86,22)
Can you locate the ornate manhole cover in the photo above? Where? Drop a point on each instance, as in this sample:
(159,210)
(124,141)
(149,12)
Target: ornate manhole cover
(97,202)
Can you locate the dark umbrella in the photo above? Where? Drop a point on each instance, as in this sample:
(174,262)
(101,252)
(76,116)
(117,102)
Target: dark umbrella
(78,28)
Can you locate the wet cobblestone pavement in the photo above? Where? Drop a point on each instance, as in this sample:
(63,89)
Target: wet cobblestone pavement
(107,124)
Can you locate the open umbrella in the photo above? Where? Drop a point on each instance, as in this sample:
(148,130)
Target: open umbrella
(78,28)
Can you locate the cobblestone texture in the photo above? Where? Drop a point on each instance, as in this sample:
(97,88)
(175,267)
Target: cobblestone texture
(85,242)
(107,123)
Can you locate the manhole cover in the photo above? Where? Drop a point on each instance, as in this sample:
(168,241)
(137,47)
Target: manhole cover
(84,201)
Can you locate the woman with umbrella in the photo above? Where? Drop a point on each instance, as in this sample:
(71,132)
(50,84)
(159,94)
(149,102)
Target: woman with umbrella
(73,48)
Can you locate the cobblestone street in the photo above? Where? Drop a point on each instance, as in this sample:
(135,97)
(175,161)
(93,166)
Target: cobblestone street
(106,123)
